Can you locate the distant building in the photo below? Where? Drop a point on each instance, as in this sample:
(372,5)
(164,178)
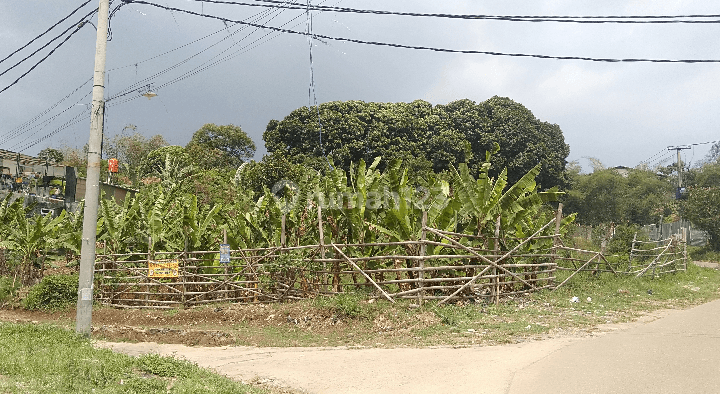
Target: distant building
(622,171)
(32,178)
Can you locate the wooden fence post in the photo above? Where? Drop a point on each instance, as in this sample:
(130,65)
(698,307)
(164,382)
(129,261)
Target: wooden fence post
(684,251)
(632,251)
(183,274)
(227,266)
(495,272)
(150,256)
(324,276)
(557,241)
(423,246)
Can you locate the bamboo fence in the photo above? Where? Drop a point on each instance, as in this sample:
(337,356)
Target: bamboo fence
(658,257)
(440,265)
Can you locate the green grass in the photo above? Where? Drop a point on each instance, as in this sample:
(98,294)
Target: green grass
(44,359)
(354,320)
(703,253)
(613,299)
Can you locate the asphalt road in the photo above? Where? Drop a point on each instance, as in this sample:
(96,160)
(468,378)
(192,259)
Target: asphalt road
(677,353)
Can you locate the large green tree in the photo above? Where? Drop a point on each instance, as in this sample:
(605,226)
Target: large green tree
(133,149)
(608,195)
(214,146)
(702,206)
(52,155)
(423,136)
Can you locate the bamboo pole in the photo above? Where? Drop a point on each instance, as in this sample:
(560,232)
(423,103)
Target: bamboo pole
(324,279)
(557,240)
(227,269)
(150,257)
(183,273)
(578,270)
(421,273)
(363,272)
(654,261)
(494,263)
(496,280)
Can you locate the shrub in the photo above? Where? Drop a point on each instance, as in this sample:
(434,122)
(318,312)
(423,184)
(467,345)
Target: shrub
(702,208)
(53,292)
(344,305)
(621,242)
(164,366)
(7,288)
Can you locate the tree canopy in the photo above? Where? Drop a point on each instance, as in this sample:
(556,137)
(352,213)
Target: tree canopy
(214,146)
(702,206)
(423,136)
(606,195)
(132,149)
(52,155)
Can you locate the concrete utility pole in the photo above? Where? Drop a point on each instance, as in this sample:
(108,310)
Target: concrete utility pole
(679,165)
(83,320)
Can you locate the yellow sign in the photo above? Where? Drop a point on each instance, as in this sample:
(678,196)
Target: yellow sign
(163,269)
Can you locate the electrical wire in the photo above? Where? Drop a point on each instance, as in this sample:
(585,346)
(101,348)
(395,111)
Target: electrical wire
(46,31)
(18,131)
(704,143)
(43,59)
(436,49)
(653,156)
(39,127)
(511,18)
(205,65)
(312,93)
(132,88)
(76,26)
(76,120)
(659,162)
(167,52)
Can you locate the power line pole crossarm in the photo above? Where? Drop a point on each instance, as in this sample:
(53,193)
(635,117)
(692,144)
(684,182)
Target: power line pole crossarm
(83,319)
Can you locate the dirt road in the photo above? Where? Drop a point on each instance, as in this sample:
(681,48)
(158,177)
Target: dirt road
(667,352)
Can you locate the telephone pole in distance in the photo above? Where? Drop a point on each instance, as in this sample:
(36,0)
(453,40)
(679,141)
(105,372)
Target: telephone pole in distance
(678,192)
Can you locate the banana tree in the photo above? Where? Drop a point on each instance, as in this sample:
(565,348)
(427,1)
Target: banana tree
(118,225)
(69,235)
(483,200)
(31,238)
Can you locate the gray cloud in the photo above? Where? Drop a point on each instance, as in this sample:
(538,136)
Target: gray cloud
(619,113)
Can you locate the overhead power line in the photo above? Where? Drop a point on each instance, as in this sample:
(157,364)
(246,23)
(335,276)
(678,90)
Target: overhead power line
(24,128)
(75,120)
(434,49)
(47,31)
(80,26)
(511,18)
(647,161)
(76,26)
(133,87)
(271,14)
(704,143)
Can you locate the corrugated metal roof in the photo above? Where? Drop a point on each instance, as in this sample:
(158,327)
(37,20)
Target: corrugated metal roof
(24,159)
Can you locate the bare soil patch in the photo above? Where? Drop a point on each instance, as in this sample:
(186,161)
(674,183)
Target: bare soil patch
(296,324)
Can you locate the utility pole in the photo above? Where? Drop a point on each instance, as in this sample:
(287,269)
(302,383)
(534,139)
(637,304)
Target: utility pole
(83,319)
(679,165)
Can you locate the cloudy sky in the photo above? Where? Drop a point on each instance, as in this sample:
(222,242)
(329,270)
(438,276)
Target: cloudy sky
(206,71)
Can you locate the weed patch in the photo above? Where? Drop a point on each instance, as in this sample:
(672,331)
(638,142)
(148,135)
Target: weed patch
(43,358)
(52,293)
